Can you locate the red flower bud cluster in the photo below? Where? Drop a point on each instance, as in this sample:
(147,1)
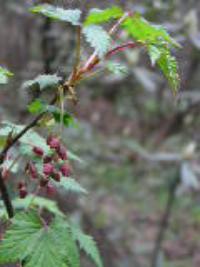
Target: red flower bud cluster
(54,166)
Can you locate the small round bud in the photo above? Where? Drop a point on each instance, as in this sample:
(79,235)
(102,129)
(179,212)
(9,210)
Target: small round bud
(53,142)
(23,192)
(20,185)
(65,170)
(48,169)
(38,151)
(32,170)
(62,153)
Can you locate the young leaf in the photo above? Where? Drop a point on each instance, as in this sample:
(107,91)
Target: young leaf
(87,244)
(44,81)
(4,75)
(58,13)
(168,65)
(70,185)
(98,16)
(37,106)
(68,119)
(154,53)
(36,244)
(144,32)
(158,43)
(98,38)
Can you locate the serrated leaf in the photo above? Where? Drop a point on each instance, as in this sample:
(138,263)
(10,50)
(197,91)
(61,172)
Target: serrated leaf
(158,43)
(143,31)
(70,185)
(32,201)
(44,81)
(154,53)
(98,38)
(168,65)
(58,13)
(4,75)
(87,244)
(36,244)
(98,16)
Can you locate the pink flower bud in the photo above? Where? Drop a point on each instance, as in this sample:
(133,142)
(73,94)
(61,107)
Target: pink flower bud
(32,170)
(23,192)
(48,169)
(53,142)
(38,151)
(20,185)
(65,170)
(62,153)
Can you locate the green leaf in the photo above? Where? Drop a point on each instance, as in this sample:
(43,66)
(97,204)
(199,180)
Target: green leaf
(144,32)
(74,157)
(4,75)
(32,201)
(98,38)
(158,43)
(68,119)
(70,185)
(168,65)
(44,81)
(36,244)
(58,13)
(98,16)
(87,244)
(154,53)
(37,106)
(26,141)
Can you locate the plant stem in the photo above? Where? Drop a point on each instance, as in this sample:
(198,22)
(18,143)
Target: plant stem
(6,198)
(164,223)
(3,189)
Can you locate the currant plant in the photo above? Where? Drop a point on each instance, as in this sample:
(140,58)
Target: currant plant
(33,239)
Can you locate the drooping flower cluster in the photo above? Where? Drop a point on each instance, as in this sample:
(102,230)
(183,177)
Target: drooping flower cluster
(53,166)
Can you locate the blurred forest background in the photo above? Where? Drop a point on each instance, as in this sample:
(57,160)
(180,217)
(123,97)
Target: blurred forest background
(139,144)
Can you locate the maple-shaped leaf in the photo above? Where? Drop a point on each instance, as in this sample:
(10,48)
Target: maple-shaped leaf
(36,244)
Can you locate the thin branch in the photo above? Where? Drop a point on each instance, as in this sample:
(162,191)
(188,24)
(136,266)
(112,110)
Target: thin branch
(94,59)
(164,223)
(6,198)
(78,49)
